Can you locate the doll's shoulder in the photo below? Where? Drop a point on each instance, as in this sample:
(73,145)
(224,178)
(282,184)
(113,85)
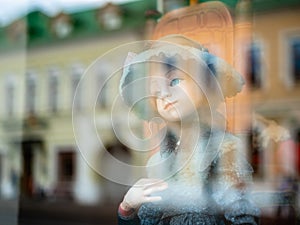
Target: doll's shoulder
(221,141)
(230,143)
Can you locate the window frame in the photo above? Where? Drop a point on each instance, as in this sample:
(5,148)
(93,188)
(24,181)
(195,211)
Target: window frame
(10,83)
(284,56)
(53,101)
(263,63)
(31,99)
(77,71)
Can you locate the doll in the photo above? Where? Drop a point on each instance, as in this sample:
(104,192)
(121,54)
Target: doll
(197,176)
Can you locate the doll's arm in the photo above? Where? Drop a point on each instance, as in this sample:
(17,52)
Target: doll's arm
(141,192)
(126,217)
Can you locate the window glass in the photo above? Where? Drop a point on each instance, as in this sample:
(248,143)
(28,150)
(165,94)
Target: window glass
(103,72)
(77,72)
(295,58)
(53,89)
(10,88)
(102,94)
(254,70)
(31,86)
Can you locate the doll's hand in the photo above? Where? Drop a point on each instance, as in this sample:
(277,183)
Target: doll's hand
(141,192)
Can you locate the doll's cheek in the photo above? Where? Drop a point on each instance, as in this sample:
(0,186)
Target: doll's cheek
(158,104)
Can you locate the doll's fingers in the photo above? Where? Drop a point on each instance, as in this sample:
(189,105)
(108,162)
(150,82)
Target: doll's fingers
(153,199)
(153,189)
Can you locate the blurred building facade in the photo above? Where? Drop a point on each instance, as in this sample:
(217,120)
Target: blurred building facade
(272,77)
(43,60)
(40,72)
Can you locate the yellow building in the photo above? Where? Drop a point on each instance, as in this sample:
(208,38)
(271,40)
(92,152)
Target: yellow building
(275,97)
(40,74)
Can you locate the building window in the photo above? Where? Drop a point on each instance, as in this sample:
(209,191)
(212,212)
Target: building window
(77,72)
(62,25)
(102,93)
(295,58)
(31,89)
(53,89)
(102,90)
(10,88)
(255,65)
(110,17)
(290,66)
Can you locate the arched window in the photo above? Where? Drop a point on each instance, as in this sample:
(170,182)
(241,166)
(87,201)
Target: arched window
(76,73)
(31,91)
(290,71)
(53,89)
(102,88)
(255,65)
(295,58)
(10,89)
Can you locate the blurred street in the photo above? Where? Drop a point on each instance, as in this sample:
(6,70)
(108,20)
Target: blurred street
(8,212)
(69,213)
(65,213)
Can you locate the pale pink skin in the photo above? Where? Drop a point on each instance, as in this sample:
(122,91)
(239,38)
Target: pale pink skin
(177,93)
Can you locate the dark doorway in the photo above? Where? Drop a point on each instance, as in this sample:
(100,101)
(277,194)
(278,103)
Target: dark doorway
(66,166)
(27,178)
(65,174)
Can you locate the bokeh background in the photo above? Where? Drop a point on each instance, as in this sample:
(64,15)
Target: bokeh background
(45,49)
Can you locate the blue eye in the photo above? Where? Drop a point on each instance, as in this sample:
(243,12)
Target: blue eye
(175,82)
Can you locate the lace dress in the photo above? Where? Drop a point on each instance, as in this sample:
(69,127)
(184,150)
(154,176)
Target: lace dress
(209,188)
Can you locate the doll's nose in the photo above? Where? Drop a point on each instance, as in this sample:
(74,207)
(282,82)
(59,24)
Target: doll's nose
(160,89)
(163,92)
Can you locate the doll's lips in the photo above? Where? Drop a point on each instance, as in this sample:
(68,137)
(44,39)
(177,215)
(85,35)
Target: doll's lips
(169,105)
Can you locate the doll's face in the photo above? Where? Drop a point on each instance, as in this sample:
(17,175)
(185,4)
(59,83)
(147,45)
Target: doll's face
(177,93)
